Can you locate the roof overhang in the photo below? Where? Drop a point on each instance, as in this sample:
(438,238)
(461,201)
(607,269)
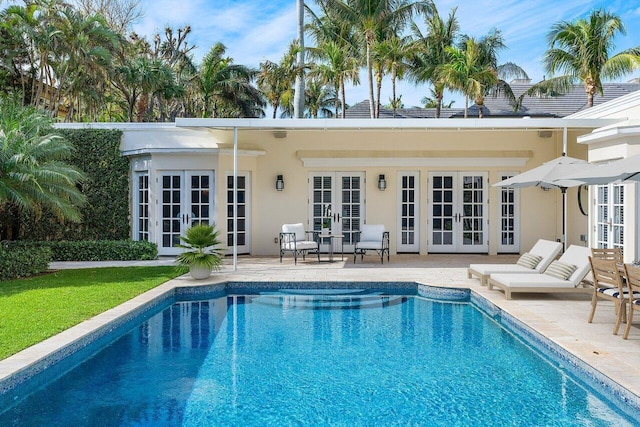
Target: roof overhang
(394,124)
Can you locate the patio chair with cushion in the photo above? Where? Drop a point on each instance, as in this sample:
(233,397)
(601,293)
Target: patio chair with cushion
(564,275)
(608,285)
(294,239)
(533,262)
(632,276)
(372,237)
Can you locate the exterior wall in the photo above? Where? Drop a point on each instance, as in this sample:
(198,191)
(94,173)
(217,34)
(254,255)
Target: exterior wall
(373,152)
(273,208)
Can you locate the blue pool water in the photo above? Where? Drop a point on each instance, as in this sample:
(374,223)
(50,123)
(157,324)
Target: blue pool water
(331,359)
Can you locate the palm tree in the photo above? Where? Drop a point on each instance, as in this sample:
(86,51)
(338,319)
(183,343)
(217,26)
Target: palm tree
(225,86)
(466,73)
(319,97)
(336,56)
(474,70)
(582,51)
(393,53)
(434,102)
(276,81)
(33,174)
(370,19)
(429,52)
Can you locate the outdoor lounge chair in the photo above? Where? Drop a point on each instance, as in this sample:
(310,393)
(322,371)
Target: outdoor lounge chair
(294,239)
(632,275)
(533,262)
(372,237)
(564,275)
(608,285)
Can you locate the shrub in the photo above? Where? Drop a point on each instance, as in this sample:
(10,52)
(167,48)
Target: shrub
(96,250)
(105,216)
(18,262)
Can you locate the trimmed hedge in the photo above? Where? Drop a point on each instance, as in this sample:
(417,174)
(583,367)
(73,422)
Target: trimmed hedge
(18,262)
(105,216)
(98,250)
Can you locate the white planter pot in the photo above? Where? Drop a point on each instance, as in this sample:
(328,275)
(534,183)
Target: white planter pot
(198,272)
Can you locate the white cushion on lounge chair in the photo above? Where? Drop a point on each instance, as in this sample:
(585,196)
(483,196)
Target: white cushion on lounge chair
(547,249)
(575,255)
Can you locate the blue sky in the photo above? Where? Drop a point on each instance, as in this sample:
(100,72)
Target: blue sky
(254,31)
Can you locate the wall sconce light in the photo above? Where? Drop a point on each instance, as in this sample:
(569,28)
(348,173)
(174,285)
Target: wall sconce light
(279,183)
(382,183)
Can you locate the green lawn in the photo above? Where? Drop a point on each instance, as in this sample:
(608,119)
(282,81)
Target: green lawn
(36,308)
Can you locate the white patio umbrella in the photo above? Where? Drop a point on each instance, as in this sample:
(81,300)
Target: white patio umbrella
(550,175)
(627,169)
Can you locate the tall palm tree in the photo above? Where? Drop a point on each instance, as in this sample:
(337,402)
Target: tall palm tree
(336,60)
(319,97)
(476,73)
(225,86)
(582,51)
(33,174)
(466,73)
(276,81)
(429,52)
(370,19)
(393,53)
(299,91)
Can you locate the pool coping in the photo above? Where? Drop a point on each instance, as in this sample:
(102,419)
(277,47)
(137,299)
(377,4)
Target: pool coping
(65,349)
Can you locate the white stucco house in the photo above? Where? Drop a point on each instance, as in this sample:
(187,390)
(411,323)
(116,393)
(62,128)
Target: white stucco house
(438,173)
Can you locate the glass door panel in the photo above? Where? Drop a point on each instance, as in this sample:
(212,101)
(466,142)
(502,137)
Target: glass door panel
(243,213)
(408,196)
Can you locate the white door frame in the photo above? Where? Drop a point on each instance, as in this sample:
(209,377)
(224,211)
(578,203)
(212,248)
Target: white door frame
(408,226)
(458,222)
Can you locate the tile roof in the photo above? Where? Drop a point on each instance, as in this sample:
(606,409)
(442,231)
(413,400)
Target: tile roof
(546,106)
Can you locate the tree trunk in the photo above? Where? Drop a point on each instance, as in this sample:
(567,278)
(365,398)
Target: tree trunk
(342,98)
(298,96)
(438,104)
(370,75)
(378,90)
(590,88)
(393,93)
(466,106)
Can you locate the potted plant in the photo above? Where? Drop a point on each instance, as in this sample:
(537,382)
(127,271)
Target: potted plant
(326,221)
(202,253)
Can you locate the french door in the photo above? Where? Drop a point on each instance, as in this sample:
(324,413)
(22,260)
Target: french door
(244,228)
(408,212)
(509,218)
(609,216)
(457,212)
(337,200)
(186,198)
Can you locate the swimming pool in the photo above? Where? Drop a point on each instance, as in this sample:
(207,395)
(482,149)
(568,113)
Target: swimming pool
(317,357)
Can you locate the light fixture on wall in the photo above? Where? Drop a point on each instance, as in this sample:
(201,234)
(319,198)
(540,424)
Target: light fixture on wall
(382,183)
(279,183)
